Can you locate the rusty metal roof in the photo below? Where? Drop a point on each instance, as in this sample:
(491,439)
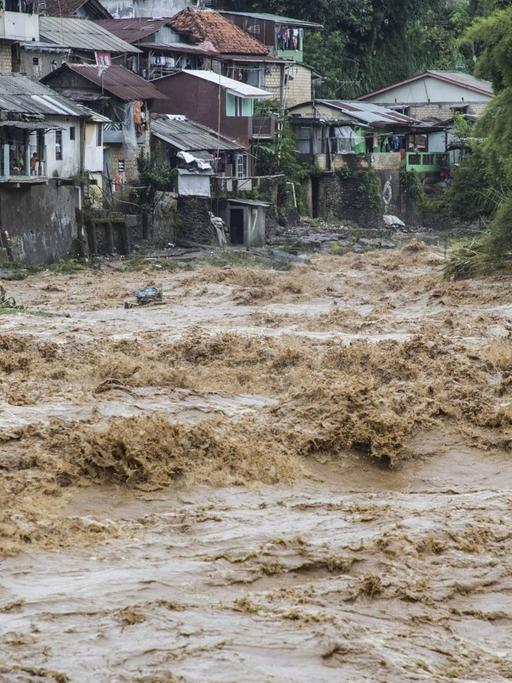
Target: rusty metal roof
(81,34)
(366,113)
(203,25)
(189,136)
(115,80)
(134,29)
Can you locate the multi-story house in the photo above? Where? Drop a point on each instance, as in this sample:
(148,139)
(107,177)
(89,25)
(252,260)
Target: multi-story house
(49,145)
(283,37)
(17,25)
(223,104)
(125,99)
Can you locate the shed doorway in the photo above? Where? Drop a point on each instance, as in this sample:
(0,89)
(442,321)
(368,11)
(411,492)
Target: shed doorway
(236,226)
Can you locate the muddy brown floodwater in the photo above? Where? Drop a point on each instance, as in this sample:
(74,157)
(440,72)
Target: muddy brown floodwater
(275,476)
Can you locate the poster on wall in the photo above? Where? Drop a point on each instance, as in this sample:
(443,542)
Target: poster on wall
(103,58)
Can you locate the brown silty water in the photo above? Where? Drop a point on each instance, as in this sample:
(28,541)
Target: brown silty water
(299,476)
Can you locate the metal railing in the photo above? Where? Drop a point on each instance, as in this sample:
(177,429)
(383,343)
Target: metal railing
(263,127)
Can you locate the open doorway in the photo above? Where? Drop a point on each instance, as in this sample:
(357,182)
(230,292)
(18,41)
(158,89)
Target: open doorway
(236,226)
(315,196)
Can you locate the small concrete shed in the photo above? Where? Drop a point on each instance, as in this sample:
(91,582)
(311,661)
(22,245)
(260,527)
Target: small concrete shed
(246,219)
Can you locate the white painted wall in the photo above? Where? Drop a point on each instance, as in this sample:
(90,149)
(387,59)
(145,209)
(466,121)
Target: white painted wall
(93,157)
(426,90)
(69,165)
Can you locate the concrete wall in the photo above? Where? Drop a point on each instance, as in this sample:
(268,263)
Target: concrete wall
(5,57)
(346,200)
(69,165)
(443,110)
(299,85)
(273,81)
(39,63)
(121,9)
(40,220)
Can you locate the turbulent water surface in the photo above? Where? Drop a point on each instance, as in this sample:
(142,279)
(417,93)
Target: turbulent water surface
(266,497)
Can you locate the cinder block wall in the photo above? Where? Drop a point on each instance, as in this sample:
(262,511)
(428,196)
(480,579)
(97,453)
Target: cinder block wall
(5,57)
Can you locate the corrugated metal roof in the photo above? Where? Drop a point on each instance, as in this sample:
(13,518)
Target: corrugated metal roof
(115,80)
(368,113)
(189,136)
(21,94)
(134,29)
(29,125)
(278,19)
(463,80)
(81,34)
(236,88)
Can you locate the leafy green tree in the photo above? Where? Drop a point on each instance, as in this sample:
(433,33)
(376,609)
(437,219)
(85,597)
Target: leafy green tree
(483,183)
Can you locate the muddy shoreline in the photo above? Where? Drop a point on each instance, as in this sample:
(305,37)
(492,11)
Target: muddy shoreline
(274,476)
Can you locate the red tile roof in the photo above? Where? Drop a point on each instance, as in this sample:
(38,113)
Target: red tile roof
(201,26)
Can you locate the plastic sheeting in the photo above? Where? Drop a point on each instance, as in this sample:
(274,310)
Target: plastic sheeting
(347,140)
(193,185)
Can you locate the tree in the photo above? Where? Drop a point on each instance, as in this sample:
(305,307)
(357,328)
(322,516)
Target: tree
(485,179)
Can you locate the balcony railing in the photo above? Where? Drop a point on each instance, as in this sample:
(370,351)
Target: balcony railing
(19,26)
(263,127)
(113,133)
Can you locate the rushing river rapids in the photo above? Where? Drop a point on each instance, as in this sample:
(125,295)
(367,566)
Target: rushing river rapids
(271,477)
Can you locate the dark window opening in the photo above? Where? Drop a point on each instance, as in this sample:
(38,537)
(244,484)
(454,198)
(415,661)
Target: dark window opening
(72,133)
(58,145)
(35,61)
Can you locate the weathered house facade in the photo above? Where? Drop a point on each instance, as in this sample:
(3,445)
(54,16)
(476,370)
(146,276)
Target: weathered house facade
(70,40)
(343,139)
(221,103)
(49,153)
(17,25)
(161,49)
(174,136)
(435,95)
(125,99)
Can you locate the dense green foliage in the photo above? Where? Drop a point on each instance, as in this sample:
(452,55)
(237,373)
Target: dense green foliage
(369,43)
(154,176)
(483,184)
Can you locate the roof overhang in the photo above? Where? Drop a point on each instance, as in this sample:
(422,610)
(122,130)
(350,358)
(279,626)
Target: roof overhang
(29,125)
